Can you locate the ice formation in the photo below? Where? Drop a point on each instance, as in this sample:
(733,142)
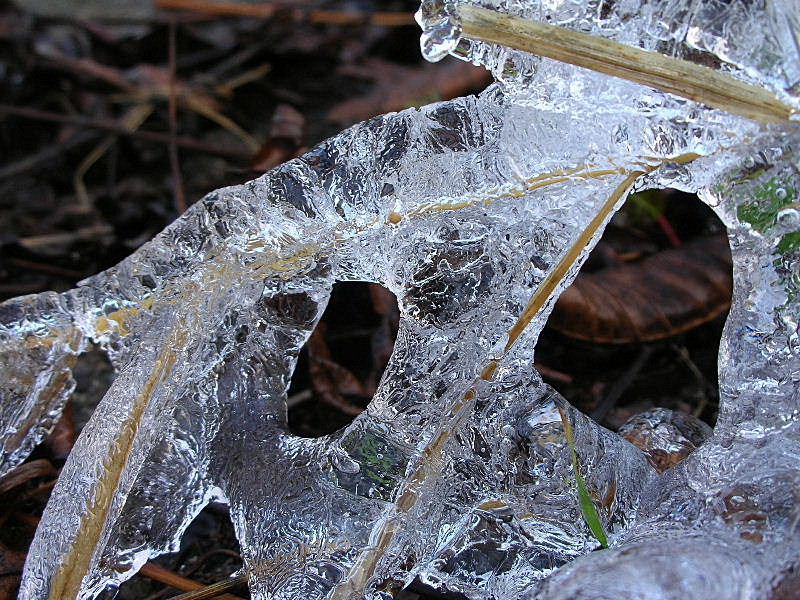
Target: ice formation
(459,473)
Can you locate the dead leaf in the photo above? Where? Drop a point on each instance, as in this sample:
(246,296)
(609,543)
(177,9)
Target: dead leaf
(11,563)
(285,139)
(658,297)
(398,87)
(25,472)
(384,303)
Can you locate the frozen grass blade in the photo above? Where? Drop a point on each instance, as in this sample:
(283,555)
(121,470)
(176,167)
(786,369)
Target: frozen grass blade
(673,75)
(588,509)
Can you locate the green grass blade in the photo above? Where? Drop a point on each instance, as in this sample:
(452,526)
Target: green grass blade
(590,514)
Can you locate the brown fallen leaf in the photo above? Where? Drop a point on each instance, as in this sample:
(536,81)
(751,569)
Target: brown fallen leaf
(19,495)
(25,472)
(398,87)
(658,297)
(384,303)
(286,133)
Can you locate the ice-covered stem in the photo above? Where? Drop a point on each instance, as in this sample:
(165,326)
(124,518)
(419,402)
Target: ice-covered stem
(673,75)
(430,464)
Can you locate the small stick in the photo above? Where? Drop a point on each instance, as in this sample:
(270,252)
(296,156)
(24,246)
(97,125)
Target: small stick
(298,398)
(213,590)
(132,119)
(268,10)
(44,268)
(65,237)
(174,163)
(552,373)
(622,384)
(173,580)
(673,75)
(120,129)
(340,17)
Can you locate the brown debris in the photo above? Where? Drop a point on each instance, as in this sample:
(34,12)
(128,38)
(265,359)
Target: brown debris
(330,380)
(21,497)
(62,438)
(663,295)
(398,86)
(11,563)
(217,8)
(286,133)
(26,472)
(179,582)
(384,303)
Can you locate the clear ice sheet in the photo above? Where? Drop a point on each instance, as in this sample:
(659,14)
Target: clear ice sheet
(465,482)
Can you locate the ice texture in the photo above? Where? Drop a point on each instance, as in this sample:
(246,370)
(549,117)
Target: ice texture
(459,473)
(665,436)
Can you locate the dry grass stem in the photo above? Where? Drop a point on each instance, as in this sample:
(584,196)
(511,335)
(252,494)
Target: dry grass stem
(673,75)
(214,590)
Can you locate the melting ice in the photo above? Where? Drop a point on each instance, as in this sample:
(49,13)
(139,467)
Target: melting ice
(459,473)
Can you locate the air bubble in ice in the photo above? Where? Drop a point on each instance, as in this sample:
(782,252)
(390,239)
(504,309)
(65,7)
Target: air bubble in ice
(788,219)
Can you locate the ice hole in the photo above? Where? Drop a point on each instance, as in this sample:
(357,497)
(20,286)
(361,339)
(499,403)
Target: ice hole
(341,364)
(639,330)
(93,374)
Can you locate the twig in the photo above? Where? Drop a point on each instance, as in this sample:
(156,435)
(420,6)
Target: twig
(120,129)
(673,75)
(176,581)
(621,384)
(46,154)
(338,17)
(227,88)
(299,398)
(551,281)
(552,373)
(214,590)
(669,231)
(86,67)
(132,119)
(200,562)
(342,405)
(266,11)
(44,268)
(180,197)
(133,92)
(707,387)
(222,9)
(65,237)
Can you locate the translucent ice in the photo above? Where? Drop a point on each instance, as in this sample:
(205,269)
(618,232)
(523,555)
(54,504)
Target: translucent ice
(459,472)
